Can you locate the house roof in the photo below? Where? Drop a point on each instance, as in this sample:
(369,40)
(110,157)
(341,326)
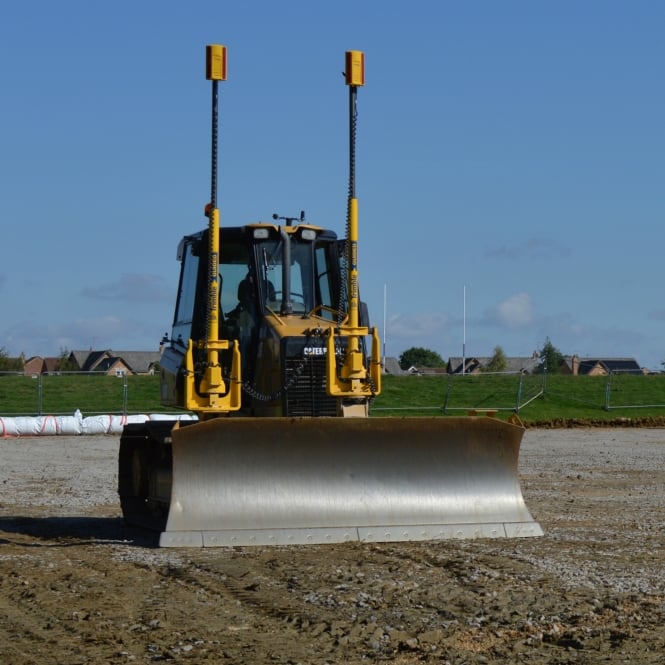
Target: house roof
(34,363)
(138,362)
(80,357)
(391,366)
(617,365)
(93,359)
(621,365)
(513,364)
(51,364)
(432,371)
(107,363)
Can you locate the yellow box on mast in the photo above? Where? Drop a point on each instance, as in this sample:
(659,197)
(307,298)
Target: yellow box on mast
(355,68)
(216,62)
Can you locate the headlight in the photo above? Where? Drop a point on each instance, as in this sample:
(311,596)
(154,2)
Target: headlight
(308,234)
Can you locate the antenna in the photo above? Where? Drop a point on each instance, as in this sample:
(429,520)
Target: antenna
(289,220)
(464,332)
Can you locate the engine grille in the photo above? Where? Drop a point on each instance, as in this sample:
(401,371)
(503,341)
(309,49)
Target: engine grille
(307,396)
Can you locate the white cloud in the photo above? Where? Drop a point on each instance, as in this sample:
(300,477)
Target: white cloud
(131,287)
(656,315)
(104,332)
(534,248)
(416,326)
(514,312)
(429,330)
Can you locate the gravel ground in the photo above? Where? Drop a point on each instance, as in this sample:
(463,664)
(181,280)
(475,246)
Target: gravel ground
(76,586)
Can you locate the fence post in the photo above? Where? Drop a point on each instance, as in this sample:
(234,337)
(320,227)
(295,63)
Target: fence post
(519,393)
(124,394)
(608,391)
(40,390)
(445,399)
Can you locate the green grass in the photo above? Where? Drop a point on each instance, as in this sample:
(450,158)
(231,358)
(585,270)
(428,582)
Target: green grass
(91,394)
(557,400)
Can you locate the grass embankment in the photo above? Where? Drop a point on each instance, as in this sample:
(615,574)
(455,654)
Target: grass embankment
(90,393)
(555,400)
(558,401)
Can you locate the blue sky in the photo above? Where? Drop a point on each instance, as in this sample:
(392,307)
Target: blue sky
(511,150)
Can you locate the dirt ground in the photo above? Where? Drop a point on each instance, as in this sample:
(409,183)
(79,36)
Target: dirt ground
(76,586)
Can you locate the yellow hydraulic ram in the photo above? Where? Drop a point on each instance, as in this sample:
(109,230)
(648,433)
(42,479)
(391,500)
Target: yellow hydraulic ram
(353,380)
(213,397)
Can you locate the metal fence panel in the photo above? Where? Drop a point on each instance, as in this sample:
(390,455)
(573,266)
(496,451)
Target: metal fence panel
(91,393)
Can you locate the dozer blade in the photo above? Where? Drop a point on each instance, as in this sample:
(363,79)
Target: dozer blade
(280,481)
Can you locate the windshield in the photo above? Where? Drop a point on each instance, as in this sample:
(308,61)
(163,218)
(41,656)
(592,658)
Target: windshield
(311,271)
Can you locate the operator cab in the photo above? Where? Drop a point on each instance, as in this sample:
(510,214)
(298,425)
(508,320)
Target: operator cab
(263,270)
(252,275)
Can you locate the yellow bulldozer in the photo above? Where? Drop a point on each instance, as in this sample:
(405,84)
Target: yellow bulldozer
(269,348)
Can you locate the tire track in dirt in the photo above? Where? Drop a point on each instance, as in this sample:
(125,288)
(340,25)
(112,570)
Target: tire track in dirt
(266,589)
(77,587)
(44,610)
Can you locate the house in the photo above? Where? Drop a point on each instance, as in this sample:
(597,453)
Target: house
(459,365)
(472,365)
(429,371)
(599,366)
(525,364)
(141,362)
(475,365)
(391,366)
(33,366)
(113,366)
(51,365)
(41,365)
(116,363)
(78,359)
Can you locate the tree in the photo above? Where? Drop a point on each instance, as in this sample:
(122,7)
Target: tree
(65,363)
(417,356)
(498,362)
(8,364)
(551,358)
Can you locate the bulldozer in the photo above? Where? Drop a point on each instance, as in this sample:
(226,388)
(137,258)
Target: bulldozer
(272,348)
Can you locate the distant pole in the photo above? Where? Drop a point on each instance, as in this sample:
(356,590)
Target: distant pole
(464,330)
(385,301)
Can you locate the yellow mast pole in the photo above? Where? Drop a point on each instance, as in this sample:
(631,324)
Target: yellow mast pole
(213,397)
(353,379)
